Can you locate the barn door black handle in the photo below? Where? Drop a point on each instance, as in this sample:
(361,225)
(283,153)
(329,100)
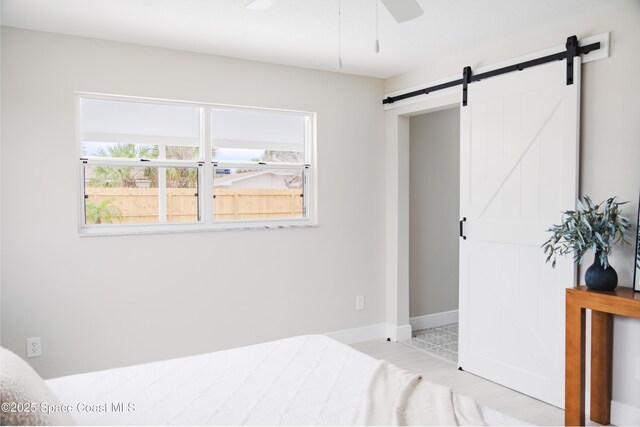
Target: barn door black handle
(462,221)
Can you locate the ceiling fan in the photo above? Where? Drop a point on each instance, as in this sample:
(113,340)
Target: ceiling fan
(401,10)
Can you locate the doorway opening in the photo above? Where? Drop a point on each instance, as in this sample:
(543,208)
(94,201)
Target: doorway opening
(434,205)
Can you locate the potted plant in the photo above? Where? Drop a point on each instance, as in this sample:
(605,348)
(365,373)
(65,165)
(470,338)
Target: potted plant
(597,226)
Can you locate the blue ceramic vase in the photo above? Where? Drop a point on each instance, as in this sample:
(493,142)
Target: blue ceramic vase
(599,278)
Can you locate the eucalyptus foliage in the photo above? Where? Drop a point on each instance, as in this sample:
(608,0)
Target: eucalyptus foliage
(588,227)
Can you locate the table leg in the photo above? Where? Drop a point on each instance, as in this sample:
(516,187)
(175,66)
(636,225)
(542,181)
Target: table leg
(574,363)
(601,354)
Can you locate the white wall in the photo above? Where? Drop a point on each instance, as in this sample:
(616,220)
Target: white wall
(610,134)
(434,201)
(102,302)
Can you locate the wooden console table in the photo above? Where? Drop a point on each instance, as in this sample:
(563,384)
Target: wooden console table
(603,305)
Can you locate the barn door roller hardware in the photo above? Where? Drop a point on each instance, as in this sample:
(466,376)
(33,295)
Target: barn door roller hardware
(573,49)
(466,79)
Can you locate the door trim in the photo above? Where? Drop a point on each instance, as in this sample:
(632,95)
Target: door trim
(397,205)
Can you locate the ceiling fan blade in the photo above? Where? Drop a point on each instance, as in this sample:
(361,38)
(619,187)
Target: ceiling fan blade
(403,10)
(259,4)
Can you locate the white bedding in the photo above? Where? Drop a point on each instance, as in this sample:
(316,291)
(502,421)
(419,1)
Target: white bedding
(306,380)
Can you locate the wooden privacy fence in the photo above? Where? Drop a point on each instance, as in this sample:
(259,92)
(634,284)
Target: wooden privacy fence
(140,205)
(233,203)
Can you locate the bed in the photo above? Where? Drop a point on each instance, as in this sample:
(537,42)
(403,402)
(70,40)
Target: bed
(306,380)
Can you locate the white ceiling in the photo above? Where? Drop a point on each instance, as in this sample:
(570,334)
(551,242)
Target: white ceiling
(301,33)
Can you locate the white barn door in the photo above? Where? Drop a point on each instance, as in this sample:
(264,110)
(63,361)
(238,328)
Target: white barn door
(519,169)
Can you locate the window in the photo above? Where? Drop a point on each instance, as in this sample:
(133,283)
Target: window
(145,168)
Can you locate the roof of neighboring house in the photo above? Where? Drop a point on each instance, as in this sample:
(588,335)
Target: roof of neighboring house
(225,180)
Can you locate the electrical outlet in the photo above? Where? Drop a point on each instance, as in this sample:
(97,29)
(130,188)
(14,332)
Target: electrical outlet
(360,302)
(34,347)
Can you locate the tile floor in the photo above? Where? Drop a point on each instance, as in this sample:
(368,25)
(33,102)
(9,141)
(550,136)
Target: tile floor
(440,341)
(441,371)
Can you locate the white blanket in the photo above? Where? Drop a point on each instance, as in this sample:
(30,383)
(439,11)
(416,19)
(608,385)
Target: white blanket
(397,397)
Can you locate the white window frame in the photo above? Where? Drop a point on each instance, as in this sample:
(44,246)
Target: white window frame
(206,167)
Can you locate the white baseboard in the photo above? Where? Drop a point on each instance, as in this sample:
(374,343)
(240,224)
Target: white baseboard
(355,335)
(399,333)
(371,332)
(395,333)
(433,320)
(621,413)
(624,415)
